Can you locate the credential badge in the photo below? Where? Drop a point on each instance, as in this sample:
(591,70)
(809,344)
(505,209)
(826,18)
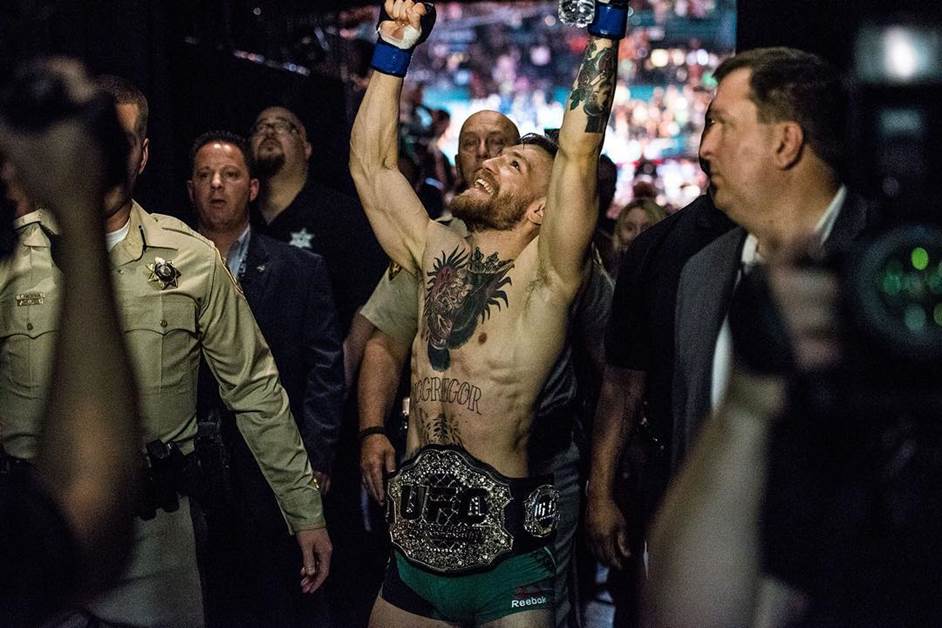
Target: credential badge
(30,298)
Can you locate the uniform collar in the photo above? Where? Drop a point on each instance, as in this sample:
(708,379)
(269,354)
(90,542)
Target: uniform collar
(145,232)
(36,237)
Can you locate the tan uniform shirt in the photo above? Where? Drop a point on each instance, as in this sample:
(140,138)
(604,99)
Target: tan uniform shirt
(165,329)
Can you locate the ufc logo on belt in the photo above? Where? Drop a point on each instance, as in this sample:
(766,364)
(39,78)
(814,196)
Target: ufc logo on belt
(443,504)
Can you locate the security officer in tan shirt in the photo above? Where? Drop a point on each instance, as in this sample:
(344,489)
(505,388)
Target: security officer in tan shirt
(176,298)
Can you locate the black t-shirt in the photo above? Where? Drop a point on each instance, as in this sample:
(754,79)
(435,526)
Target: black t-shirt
(334,226)
(640,333)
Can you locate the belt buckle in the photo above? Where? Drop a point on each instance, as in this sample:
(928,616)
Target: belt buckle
(448,514)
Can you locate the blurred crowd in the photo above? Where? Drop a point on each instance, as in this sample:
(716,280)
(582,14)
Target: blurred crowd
(516,60)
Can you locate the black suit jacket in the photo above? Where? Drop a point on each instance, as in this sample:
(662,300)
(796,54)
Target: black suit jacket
(703,297)
(289,292)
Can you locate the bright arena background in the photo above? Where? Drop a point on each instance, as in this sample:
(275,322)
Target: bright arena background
(516,58)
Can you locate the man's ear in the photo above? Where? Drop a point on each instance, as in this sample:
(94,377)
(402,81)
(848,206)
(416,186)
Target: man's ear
(145,154)
(789,143)
(459,173)
(535,211)
(253,189)
(307,150)
(189,191)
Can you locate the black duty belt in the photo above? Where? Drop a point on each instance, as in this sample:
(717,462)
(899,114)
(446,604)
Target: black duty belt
(451,513)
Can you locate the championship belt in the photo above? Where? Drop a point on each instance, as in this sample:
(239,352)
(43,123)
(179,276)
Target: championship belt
(450,513)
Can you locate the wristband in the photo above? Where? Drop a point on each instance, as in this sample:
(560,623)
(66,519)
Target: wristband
(610,21)
(389,59)
(369,431)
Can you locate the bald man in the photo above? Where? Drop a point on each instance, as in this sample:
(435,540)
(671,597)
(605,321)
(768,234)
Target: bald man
(483,135)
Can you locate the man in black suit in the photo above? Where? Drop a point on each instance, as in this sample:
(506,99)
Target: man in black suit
(632,431)
(247,553)
(774,151)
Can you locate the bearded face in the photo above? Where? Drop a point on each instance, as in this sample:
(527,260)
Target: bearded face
(485,205)
(269,158)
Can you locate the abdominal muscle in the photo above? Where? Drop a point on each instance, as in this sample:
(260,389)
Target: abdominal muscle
(483,410)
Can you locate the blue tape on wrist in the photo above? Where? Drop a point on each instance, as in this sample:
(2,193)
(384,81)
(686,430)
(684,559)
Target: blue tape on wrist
(610,22)
(389,59)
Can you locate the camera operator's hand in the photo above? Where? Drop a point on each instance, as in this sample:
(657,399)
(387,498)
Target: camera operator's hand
(60,165)
(807,299)
(89,450)
(784,315)
(607,531)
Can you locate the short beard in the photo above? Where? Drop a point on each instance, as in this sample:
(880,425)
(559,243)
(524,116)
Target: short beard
(499,214)
(269,166)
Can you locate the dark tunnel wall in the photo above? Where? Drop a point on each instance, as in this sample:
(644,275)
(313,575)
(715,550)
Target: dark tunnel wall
(825,27)
(191,88)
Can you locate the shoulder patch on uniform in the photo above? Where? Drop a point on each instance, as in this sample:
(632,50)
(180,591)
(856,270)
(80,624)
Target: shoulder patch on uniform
(169,223)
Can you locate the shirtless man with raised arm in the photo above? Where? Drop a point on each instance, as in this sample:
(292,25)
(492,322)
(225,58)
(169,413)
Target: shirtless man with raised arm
(471,531)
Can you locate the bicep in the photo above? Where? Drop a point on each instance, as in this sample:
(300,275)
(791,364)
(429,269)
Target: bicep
(397,217)
(569,218)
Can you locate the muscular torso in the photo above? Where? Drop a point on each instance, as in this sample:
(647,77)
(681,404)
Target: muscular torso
(489,332)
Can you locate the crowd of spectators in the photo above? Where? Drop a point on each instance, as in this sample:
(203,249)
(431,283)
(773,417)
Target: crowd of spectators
(513,58)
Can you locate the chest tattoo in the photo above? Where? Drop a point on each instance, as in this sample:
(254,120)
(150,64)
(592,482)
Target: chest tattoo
(461,290)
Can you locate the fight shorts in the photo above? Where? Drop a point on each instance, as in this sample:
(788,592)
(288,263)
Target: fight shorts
(458,525)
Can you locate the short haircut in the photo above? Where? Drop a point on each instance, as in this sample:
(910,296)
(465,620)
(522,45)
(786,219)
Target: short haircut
(541,141)
(226,137)
(125,92)
(790,84)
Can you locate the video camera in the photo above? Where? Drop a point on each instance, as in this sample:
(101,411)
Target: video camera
(853,503)
(893,281)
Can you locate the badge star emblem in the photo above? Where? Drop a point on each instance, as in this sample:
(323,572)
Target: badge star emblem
(301,239)
(163,272)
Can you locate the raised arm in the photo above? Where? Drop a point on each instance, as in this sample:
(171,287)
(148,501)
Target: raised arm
(571,209)
(397,216)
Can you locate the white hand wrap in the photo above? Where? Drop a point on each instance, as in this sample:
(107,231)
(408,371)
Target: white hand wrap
(410,37)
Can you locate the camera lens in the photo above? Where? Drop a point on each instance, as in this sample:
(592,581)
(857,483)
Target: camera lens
(897,290)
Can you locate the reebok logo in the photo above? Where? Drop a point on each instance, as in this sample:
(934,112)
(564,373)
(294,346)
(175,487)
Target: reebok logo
(530,601)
